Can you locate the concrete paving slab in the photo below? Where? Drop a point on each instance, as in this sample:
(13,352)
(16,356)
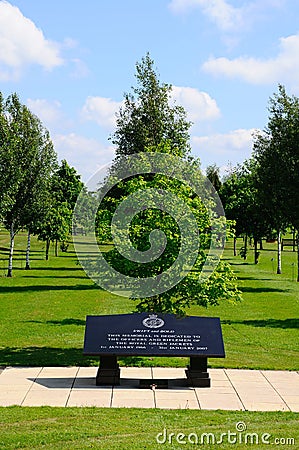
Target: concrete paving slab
(86,378)
(245,375)
(63,372)
(215,392)
(47,383)
(294,407)
(101,397)
(291,398)
(221,384)
(222,401)
(168,372)
(55,378)
(177,404)
(19,376)
(132,398)
(280,375)
(136,372)
(230,389)
(52,397)
(266,406)
(176,398)
(218,374)
(11,401)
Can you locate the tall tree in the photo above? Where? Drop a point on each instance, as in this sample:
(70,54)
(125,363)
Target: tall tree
(147,117)
(276,151)
(27,162)
(148,123)
(65,186)
(55,226)
(243,204)
(213,174)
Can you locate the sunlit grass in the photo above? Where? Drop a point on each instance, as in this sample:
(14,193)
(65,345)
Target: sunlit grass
(43,311)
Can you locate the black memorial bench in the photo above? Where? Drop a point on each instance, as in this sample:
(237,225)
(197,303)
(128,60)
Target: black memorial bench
(146,334)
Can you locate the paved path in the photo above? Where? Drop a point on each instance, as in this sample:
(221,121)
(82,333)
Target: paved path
(252,390)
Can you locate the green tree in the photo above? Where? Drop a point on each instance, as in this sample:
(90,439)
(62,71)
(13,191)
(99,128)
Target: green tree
(147,118)
(213,175)
(147,123)
(65,186)
(221,284)
(28,159)
(84,212)
(233,194)
(242,204)
(276,152)
(55,226)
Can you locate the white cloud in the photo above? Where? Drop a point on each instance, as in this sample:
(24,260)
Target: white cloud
(198,105)
(47,112)
(222,13)
(234,146)
(282,68)
(101,110)
(22,43)
(87,155)
(226,16)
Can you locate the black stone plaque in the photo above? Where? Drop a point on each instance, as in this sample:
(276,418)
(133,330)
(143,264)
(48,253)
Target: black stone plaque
(146,334)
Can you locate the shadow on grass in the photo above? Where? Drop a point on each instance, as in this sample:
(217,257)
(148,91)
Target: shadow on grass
(81,277)
(238,263)
(57,269)
(45,356)
(59,322)
(37,288)
(266,323)
(65,357)
(259,290)
(255,278)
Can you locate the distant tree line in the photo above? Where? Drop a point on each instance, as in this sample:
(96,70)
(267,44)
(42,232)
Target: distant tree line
(262,194)
(36,193)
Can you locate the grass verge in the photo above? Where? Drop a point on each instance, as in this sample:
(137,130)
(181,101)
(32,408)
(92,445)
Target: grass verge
(135,429)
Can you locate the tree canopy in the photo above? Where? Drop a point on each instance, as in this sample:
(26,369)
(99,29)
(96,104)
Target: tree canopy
(148,124)
(27,160)
(276,152)
(147,117)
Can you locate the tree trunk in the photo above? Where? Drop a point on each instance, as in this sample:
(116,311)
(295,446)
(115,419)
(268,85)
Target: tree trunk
(235,246)
(256,252)
(279,252)
(298,255)
(261,244)
(245,246)
(47,249)
(12,243)
(294,240)
(27,267)
(56,247)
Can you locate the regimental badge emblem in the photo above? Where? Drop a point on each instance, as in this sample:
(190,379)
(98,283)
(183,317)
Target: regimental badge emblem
(153,321)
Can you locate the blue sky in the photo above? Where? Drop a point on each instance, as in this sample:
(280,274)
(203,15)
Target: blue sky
(71,62)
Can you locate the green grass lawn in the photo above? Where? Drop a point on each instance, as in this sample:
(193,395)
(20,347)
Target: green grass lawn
(136,429)
(42,319)
(43,311)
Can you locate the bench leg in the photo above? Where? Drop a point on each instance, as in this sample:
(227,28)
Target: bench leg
(197,372)
(108,372)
